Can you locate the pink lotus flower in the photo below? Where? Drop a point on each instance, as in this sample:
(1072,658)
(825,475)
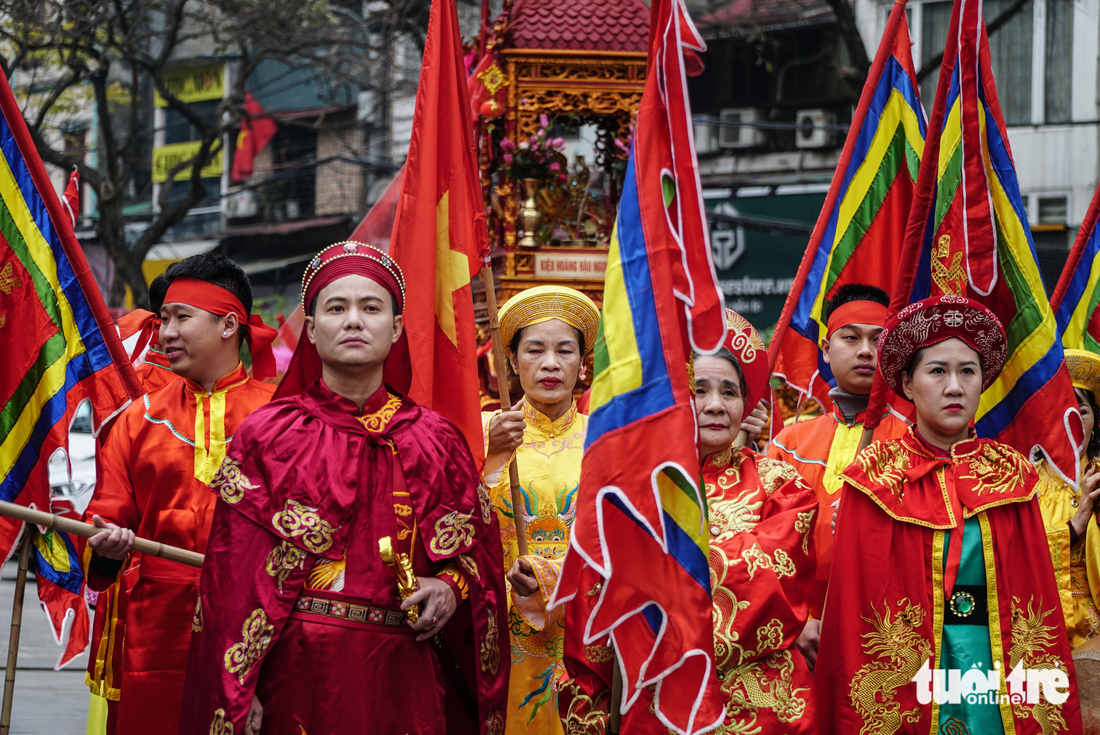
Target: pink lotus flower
(544,121)
(524,145)
(558,143)
(541,133)
(555,167)
(508,159)
(507,144)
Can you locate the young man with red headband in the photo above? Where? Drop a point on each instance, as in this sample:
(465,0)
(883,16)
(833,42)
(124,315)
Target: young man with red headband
(299,626)
(154,475)
(820,449)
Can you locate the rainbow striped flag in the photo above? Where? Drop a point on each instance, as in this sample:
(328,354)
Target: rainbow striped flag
(1076,297)
(968,235)
(59,345)
(858,235)
(641,516)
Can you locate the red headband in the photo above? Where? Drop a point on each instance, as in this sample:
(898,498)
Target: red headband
(145,322)
(217,300)
(856,312)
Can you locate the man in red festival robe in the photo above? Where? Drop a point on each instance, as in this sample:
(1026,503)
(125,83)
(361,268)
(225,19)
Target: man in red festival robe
(108,627)
(155,469)
(299,627)
(821,448)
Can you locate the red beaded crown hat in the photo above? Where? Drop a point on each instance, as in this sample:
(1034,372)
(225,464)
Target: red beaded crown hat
(334,262)
(934,320)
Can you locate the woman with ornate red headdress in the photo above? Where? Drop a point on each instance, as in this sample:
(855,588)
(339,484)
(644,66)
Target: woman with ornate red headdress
(299,626)
(762,569)
(943,602)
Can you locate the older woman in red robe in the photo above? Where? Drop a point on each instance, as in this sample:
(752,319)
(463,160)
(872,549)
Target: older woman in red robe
(299,627)
(761,564)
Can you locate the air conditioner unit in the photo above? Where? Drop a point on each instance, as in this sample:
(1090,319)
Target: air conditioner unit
(706,134)
(738,130)
(812,129)
(239,204)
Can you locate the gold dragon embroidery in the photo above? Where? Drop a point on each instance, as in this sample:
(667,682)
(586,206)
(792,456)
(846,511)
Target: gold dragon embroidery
(900,652)
(1031,645)
(732,515)
(885,464)
(196,619)
(774,474)
(998,469)
(585,715)
(490,649)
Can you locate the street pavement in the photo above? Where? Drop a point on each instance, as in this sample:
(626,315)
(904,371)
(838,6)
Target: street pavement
(46,701)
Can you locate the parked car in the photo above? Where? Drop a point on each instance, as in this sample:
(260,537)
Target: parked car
(72,473)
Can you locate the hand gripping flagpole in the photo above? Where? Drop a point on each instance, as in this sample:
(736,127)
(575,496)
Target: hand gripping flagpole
(87,530)
(518,503)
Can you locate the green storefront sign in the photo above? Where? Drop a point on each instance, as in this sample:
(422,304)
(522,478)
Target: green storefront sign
(758,236)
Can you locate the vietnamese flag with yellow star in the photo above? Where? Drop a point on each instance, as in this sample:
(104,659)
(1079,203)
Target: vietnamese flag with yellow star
(440,239)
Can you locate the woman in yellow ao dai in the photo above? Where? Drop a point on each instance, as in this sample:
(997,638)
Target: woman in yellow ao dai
(547,331)
(1072,534)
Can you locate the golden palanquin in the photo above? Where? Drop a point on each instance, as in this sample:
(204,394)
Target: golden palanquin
(572,60)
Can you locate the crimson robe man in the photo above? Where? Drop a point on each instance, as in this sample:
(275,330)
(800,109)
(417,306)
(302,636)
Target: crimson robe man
(155,469)
(299,627)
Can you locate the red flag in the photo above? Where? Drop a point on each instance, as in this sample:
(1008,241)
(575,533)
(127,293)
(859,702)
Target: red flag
(256,132)
(968,235)
(72,196)
(440,239)
(858,235)
(377,226)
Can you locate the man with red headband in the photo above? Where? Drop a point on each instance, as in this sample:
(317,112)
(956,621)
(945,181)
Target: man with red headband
(108,628)
(299,626)
(154,473)
(821,448)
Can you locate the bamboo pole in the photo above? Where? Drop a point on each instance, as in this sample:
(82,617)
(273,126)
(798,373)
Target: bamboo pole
(505,402)
(87,530)
(615,720)
(16,624)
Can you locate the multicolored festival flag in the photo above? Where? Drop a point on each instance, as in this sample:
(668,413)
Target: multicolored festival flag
(60,349)
(1076,297)
(968,235)
(641,518)
(858,235)
(440,239)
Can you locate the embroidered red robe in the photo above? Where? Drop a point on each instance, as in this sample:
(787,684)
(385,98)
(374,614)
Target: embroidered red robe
(762,520)
(296,605)
(884,619)
(154,471)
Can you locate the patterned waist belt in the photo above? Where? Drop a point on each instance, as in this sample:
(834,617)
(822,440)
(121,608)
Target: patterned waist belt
(346,613)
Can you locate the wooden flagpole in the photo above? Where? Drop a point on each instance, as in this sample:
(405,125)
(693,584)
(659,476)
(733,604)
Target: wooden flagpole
(505,402)
(16,624)
(87,530)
